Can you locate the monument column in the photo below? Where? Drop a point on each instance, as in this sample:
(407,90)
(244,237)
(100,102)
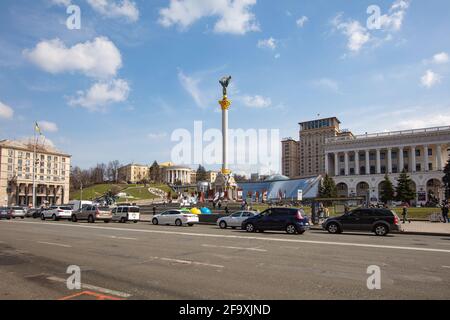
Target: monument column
(357,162)
(401,160)
(367,162)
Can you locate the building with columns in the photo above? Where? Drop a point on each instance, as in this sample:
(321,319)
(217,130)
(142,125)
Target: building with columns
(358,164)
(175,174)
(18,160)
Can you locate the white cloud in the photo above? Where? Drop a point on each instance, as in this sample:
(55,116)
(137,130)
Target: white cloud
(440,58)
(6,112)
(191,85)
(328,84)
(394,20)
(356,34)
(431,120)
(116,9)
(430,79)
(256,101)
(234,16)
(65,3)
(99,58)
(47,126)
(270,43)
(102,94)
(157,136)
(302,21)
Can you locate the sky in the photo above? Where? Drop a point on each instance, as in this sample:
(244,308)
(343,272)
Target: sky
(135,71)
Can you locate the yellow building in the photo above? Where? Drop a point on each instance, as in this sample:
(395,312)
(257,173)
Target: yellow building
(134,173)
(52,174)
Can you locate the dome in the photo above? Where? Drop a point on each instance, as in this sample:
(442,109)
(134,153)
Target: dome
(277,177)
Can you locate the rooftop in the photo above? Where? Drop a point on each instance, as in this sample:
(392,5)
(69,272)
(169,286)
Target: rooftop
(41,147)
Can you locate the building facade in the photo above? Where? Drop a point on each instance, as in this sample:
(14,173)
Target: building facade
(177,174)
(52,174)
(359,164)
(306,157)
(134,173)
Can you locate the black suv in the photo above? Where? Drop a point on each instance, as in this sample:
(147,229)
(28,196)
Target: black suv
(379,221)
(291,220)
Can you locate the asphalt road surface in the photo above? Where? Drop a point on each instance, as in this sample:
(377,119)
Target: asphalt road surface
(141,261)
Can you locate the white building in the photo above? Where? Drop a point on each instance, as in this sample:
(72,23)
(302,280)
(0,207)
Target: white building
(358,164)
(173,174)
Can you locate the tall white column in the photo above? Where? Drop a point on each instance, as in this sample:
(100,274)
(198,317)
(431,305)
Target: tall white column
(401,160)
(225,139)
(367,162)
(413,159)
(347,169)
(326,163)
(425,158)
(439,165)
(389,155)
(378,161)
(357,162)
(336,164)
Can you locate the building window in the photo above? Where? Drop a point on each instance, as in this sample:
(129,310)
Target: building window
(430,152)
(372,156)
(430,167)
(10,153)
(352,171)
(418,167)
(417,153)
(394,169)
(394,154)
(341,158)
(372,170)
(383,156)
(342,172)
(383,169)
(405,154)
(362,170)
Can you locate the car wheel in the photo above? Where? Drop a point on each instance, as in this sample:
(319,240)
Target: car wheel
(91,219)
(42,217)
(223,225)
(54,217)
(74,218)
(22,218)
(190,224)
(291,229)
(301,232)
(106,221)
(135,221)
(333,228)
(178,223)
(123,220)
(250,227)
(381,230)
(155,222)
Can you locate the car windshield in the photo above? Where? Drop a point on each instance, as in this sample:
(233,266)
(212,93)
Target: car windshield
(65,208)
(17,208)
(133,209)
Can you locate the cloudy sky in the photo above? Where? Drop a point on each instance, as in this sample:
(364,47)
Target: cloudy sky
(137,70)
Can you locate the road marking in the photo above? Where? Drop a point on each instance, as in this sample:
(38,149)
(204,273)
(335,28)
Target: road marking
(120,238)
(446,267)
(233,248)
(94,288)
(188,262)
(205,235)
(55,244)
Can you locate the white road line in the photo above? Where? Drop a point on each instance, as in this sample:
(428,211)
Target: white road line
(446,267)
(233,248)
(188,262)
(205,235)
(94,288)
(55,244)
(120,238)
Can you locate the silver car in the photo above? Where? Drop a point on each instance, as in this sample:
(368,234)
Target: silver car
(17,212)
(235,220)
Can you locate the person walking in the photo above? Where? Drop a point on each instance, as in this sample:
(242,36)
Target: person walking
(219,204)
(445,210)
(227,211)
(405,214)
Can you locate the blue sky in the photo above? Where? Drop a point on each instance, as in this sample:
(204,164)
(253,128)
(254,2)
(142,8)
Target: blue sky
(150,67)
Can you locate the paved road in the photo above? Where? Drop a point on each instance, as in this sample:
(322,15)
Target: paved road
(140,261)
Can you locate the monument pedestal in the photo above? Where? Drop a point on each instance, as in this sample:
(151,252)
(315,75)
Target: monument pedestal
(226,185)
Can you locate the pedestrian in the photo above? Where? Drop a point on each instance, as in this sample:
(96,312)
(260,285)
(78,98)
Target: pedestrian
(219,204)
(226,210)
(405,214)
(154,210)
(214,205)
(445,209)
(346,209)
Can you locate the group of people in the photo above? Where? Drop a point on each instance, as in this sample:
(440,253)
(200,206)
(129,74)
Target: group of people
(445,209)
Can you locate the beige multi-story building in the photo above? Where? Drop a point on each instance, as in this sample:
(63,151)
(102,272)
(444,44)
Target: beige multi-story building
(52,174)
(306,157)
(358,164)
(134,173)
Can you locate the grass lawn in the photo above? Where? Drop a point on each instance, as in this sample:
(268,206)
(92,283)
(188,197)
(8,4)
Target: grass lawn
(138,192)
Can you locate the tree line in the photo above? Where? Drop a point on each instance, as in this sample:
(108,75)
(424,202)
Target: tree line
(101,173)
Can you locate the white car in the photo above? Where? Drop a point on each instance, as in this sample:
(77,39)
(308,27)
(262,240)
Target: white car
(124,214)
(175,217)
(235,220)
(57,213)
(17,212)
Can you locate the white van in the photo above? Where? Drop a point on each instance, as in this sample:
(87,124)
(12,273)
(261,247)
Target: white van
(124,214)
(78,204)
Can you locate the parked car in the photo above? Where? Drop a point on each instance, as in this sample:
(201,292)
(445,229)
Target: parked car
(126,213)
(34,213)
(235,220)
(5,213)
(17,212)
(291,220)
(175,217)
(57,213)
(92,213)
(379,221)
